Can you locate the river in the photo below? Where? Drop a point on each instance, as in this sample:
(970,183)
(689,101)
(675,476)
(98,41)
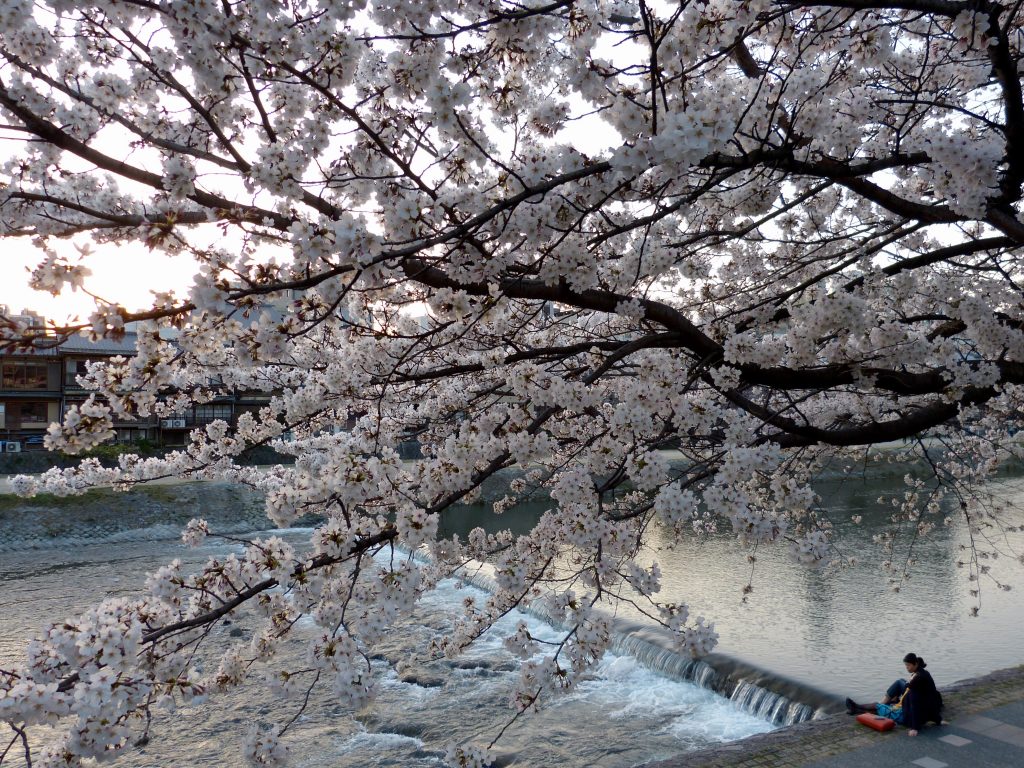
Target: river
(842,632)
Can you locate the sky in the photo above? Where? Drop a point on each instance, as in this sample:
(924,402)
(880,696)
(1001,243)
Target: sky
(124,273)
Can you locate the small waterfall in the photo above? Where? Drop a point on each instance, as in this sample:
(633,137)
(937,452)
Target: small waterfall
(665,660)
(480,577)
(773,707)
(770,697)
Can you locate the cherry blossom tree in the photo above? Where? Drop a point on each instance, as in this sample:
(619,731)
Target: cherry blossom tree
(557,236)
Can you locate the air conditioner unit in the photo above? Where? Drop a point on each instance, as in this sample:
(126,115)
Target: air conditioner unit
(12,447)
(173,423)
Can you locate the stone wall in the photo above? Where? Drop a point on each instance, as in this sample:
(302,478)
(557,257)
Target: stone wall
(148,512)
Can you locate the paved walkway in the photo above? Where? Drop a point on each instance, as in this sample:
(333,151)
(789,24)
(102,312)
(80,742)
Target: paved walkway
(985,729)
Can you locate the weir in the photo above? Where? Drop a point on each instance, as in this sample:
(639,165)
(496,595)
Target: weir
(771,697)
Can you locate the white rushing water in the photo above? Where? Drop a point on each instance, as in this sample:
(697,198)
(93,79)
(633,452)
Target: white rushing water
(624,714)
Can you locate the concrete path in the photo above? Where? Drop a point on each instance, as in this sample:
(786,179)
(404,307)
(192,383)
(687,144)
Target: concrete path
(985,729)
(993,740)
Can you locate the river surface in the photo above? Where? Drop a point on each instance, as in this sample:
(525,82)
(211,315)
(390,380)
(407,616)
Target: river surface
(844,632)
(624,714)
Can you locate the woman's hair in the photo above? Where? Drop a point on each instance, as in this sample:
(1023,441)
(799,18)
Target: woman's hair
(913,658)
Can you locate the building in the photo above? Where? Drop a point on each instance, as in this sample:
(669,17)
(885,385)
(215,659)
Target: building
(31,396)
(39,385)
(76,353)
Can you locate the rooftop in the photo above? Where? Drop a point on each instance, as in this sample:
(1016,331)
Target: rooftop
(79,345)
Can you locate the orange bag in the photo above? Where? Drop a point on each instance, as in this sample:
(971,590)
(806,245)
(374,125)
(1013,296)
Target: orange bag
(877,722)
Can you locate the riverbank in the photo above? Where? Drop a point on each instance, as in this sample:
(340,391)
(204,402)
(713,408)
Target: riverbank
(152,511)
(109,454)
(985,726)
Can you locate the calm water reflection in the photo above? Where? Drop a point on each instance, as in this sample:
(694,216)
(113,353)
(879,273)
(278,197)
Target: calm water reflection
(846,631)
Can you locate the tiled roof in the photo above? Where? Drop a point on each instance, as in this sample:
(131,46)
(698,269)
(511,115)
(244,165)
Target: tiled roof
(31,352)
(79,345)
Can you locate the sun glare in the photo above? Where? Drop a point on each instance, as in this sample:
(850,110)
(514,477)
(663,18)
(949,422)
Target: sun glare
(126,274)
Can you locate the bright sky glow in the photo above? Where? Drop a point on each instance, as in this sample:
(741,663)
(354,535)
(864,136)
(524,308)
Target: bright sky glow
(126,274)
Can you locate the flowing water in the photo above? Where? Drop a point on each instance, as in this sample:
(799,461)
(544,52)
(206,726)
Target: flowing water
(801,640)
(624,714)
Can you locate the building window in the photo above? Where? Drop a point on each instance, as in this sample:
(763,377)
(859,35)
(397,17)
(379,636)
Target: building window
(3,415)
(75,368)
(33,413)
(23,374)
(213,411)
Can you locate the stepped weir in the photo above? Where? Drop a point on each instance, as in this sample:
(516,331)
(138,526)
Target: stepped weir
(771,697)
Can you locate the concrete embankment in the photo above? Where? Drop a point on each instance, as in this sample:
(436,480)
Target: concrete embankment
(103,514)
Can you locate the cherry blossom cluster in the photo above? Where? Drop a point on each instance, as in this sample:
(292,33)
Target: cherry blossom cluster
(657,266)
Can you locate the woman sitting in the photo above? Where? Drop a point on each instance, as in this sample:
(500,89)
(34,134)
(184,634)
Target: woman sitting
(912,702)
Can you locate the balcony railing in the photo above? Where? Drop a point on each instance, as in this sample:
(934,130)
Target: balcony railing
(191,420)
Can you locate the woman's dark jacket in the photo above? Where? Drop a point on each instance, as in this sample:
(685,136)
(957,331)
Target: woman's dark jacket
(923,702)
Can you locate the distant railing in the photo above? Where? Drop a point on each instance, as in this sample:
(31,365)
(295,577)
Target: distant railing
(192,420)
